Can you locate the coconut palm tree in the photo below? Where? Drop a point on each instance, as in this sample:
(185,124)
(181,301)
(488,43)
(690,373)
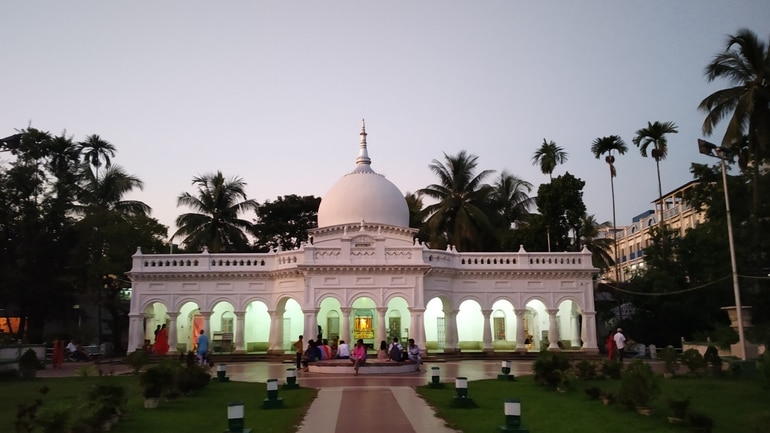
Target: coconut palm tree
(600,246)
(608,145)
(460,216)
(215,223)
(95,150)
(745,62)
(548,156)
(97,194)
(655,134)
(511,198)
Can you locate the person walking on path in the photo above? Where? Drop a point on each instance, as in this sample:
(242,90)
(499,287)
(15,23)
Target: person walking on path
(57,357)
(298,348)
(620,343)
(203,348)
(610,344)
(161,342)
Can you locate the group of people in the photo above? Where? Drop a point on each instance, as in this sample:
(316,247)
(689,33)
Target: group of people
(316,352)
(72,351)
(616,344)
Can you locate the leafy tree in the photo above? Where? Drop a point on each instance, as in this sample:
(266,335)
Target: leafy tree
(36,233)
(284,222)
(609,145)
(655,134)
(561,205)
(216,222)
(548,156)
(460,216)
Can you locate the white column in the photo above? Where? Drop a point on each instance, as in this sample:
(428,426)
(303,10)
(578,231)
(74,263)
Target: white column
(418,326)
(135,331)
(380,326)
(345,331)
(172,332)
(207,322)
(575,331)
(521,339)
(239,337)
(450,324)
(553,331)
(311,324)
(589,332)
(487,331)
(275,345)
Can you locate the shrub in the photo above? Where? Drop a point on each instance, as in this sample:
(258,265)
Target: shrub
(155,380)
(639,385)
(668,355)
(612,369)
(585,369)
(136,360)
(55,419)
(549,368)
(693,360)
(711,357)
(29,361)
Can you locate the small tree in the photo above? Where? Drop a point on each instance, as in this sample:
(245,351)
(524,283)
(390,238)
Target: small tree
(671,364)
(639,385)
(693,360)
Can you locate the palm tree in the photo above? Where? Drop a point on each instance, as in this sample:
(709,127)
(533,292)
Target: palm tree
(600,246)
(608,145)
(511,197)
(97,194)
(215,224)
(95,150)
(745,62)
(548,156)
(461,215)
(655,134)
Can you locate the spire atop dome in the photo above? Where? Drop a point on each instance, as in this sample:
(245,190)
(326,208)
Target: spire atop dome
(363,155)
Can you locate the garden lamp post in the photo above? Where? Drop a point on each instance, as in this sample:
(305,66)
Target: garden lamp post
(711,149)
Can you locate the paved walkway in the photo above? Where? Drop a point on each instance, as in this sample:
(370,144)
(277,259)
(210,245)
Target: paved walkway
(346,403)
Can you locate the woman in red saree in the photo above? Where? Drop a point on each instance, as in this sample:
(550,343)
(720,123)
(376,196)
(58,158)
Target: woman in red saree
(161,341)
(611,346)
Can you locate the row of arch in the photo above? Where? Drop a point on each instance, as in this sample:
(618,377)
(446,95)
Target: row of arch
(258,327)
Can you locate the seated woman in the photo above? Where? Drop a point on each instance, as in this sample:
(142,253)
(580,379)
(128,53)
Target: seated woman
(359,355)
(382,353)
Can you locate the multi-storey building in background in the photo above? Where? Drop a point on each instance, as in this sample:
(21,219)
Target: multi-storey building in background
(635,237)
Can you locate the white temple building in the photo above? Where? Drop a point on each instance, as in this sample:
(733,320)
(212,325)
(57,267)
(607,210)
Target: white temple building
(364,275)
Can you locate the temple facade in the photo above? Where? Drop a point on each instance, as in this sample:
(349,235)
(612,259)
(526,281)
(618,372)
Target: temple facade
(364,275)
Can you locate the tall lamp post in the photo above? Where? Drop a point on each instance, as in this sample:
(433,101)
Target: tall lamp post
(711,149)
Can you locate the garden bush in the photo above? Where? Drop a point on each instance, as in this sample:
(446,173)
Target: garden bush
(638,384)
(693,360)
(612,369)
(550,367)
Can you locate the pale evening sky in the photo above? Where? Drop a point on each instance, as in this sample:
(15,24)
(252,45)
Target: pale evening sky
(274,92)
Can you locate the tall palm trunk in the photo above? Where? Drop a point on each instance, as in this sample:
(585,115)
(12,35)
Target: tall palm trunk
(614,229)
(660,194)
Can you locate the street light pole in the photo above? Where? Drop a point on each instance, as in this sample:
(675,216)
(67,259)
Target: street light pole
(707,148)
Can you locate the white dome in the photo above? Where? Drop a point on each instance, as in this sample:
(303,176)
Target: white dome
(363,195)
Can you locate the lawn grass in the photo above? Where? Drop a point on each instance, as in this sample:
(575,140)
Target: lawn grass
(733,404)
(205,412)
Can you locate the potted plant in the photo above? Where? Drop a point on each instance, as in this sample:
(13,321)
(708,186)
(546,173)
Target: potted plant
(639,386)
(693,360)
(670,362)
(29,364)
(593,393)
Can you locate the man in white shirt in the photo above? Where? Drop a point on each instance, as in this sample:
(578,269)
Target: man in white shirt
(343,350)
(620,342)
(414,353)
